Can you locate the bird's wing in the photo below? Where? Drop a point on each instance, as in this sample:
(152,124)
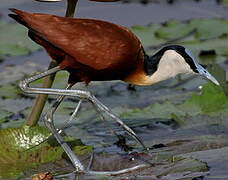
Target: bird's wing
(97,44)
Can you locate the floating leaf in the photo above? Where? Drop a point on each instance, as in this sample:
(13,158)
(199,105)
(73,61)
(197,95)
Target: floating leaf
(3,115)
(173,29)
(12,74)
(147,34)
(215,158)
(60,80)
(212,99)
(218,44)
(185,165)
(225,3)
(12,45)
(20,149)
(205,26)
(9,91)
(157,110)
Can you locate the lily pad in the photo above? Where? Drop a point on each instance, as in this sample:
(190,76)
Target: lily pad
(22,148)
(60,80)
(147,34)
(9,91)
(3,115)
(158,110)
(225,3)
(218,45)
(194,34)
(211,100)
(12,74)
(216,160)
(173,29)
(185,165)
(204,26)
(11,45)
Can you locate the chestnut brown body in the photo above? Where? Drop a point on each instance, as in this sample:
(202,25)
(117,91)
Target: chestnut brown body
(90,50)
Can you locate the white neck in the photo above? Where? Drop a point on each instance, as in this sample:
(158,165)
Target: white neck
(169,66)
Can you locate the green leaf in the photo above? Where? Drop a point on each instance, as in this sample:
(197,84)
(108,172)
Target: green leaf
(9,91)
(20,150)
(218,44)
(173,29)
(211,99)
(3,115)
(60,80)
(225,3)
(157,110)
(147,34)
(14,40)
(204,28)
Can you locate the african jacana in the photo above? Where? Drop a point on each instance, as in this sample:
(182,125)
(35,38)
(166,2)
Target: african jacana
(89,0)
(94,50)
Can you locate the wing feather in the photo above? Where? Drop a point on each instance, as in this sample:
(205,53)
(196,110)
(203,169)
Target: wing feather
(97,44)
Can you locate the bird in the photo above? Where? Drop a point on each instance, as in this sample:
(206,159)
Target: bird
(96,50)
(89,0)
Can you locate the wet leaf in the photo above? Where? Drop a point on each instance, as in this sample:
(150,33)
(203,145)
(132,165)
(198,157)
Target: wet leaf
(225,3)
(204,26)
(173,29)
(20,149)
(184,166)
(215,158)
(12,74)
(11,45)
(211,100)
(147,34)
(9,92)
(217,44)
(194,34)
(60,80)
(158,110)
(3,115)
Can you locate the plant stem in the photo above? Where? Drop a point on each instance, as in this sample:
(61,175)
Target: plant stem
(48,81)
(71,6)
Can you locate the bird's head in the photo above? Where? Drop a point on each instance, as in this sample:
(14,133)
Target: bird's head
(173,60)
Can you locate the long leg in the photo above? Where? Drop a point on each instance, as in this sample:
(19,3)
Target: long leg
(58,102)
(74,159)
(24,85)
(54,107)
(102,108)
(66,123)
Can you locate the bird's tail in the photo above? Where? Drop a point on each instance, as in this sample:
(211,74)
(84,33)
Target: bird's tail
(26,19)
(19,16)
